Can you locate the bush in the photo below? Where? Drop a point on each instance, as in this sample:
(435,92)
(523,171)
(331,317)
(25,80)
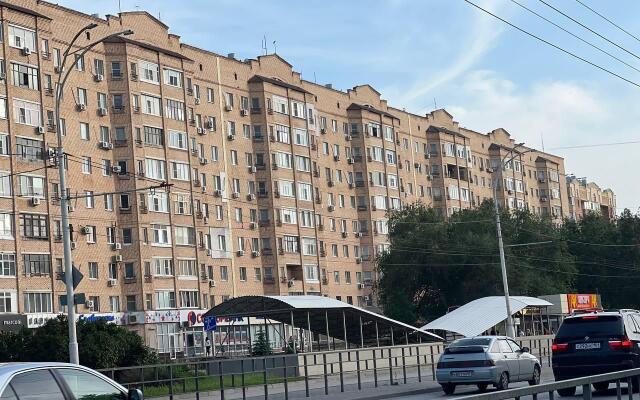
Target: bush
(100,345)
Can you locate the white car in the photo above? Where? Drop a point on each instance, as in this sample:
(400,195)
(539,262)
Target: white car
(484,361)
(59,381)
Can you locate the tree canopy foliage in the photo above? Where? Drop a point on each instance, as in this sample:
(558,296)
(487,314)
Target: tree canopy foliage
(435,264)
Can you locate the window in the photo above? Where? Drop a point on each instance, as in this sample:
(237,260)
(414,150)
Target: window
(185,236)
(26,112)
(151,105)
(304,191)
(161,235)
(7,265)
(6,302)
(24,76)
(290,244)
(93,270)
(22,38)
(98,66)
(172,77)
(286,188)
(149,72)
(187,268)
(283,160)
(155,169)
(288,216)
(37,264)
(31,186)
(165,299)
(311,273)
(162,266)
(34,226)
(243,274)
(210,95)
(84,385)
(303,163)
(178,140)
(309,246)
(179,171)
(108,201)
(190,298)
(182,203)
(89,199)
(79,63)
(86,165)
(175,110)
(37,302)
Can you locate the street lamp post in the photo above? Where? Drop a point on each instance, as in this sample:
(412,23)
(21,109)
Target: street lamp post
(503,265)
(64,199)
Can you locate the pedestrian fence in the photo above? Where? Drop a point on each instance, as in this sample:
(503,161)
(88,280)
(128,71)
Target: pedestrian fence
(325,372)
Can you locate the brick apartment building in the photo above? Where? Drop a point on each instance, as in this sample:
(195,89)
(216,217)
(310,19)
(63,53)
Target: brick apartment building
(280,186)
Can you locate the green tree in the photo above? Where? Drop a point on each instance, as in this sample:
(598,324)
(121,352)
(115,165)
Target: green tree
(433,264)
(261,346)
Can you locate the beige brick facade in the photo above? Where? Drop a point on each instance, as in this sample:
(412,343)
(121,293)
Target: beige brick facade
(278,185)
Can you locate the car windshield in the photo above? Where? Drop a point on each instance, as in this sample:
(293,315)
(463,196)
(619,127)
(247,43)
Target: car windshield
(591,325)
(472,342)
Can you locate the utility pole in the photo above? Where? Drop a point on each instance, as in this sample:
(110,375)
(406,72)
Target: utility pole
(503,265)
(74,357)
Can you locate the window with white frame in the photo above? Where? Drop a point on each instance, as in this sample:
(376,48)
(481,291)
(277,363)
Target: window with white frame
(31,186)
(305,191)
(161,235)
(179,171)
(162,266)
(182,203)
(37,303)
(6,227)
(189,299)
(24,76)
(149,72)
(178,140)
(303,163)
(165,299)
(155,169)
(26,112)
(187,267)
(309,246)
(376,153)
(283,160)
(280,105)
(391,156)
(151,105)
(21,38)
(158,201)
(185,235)
(286,188)
(172,77)
(453,192)
(392,180)
(175,109)
(297,109)
(288,216)
(282,134)
(301,136)
(8,303)
(311,273)
(377,178)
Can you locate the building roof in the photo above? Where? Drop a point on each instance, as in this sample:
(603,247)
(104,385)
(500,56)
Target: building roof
(24,10)
(480,315)
(437,129)
(273,81)
(366,107)
(316,312)
(144,45)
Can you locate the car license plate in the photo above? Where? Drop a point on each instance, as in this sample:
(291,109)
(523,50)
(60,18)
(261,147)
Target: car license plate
(461,373)
(587,346)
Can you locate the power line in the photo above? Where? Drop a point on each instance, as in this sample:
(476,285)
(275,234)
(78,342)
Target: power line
(589,29)
(577,273)
(575,36)
(595,145)
(554,45)
(584,243)
(608,20)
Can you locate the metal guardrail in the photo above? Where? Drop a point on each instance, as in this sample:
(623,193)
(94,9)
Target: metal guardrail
(319,372)
(618,378)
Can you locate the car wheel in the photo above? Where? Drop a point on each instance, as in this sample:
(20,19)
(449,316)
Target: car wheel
(482,387)
(503,382)
(535,380)
(601,386)
(566,392)
(448,388)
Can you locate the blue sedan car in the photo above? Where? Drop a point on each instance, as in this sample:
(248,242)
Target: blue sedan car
(59,381)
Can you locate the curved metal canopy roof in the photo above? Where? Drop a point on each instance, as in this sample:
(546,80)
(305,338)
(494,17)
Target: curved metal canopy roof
(480,315)
(319,314)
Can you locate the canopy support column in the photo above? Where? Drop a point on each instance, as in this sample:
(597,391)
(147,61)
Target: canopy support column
(344,327)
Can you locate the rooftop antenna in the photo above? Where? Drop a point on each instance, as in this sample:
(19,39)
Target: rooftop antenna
(119,7)
(264,44)
(275,48)
(435,105)
(542,140)
(314,77)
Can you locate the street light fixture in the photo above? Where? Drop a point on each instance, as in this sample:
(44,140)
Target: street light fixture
(503,265)
(64,208)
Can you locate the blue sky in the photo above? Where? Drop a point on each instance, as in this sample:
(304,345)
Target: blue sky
(485,73)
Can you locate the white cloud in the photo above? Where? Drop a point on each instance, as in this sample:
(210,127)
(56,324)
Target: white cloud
(566,113)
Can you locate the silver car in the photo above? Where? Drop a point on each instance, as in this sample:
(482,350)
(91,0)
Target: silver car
(59,381)
(484,361)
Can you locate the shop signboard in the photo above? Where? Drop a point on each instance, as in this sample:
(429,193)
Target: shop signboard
(582,302)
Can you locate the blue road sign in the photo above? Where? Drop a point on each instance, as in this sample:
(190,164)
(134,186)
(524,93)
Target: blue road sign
(210,324)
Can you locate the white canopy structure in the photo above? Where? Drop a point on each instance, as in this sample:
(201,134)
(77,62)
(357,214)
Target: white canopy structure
(480,315)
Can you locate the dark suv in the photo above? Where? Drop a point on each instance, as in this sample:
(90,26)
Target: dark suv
(596,343)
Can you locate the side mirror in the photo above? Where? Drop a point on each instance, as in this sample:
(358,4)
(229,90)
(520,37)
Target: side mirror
(135,394)
(524,350)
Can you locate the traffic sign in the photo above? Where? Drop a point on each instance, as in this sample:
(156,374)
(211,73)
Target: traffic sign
(78,298)
(210,323)
(77,277)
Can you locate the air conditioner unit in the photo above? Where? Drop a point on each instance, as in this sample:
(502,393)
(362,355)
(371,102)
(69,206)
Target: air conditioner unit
(206,220)
(358,234)
(345,234)
(358,260)
(217,193)
(228,108)
(253,225)
(244,113)
(360,285)
(112,282)
(116,169)
(212,283)
(40,130)
(88,303)
(331,207)
(200,131)
(352,185)
(323,130)
(116,246)
(255,254)
(204,189)
(204,161)
(197,100)
(3,76)
(347,137)
(116,258)
(106,145)
(35,201)
(71,208)
(102,111)
(26,51)
(251,197)
(336,158)
(84,230)
(240,253)
(73,245)
(235,195)
(350,160)
(231,136)
(82,107)
(99,77)
(252,170)
(428,156)
(330,183)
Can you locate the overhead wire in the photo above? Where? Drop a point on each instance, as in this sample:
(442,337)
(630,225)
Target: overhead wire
(608,20)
